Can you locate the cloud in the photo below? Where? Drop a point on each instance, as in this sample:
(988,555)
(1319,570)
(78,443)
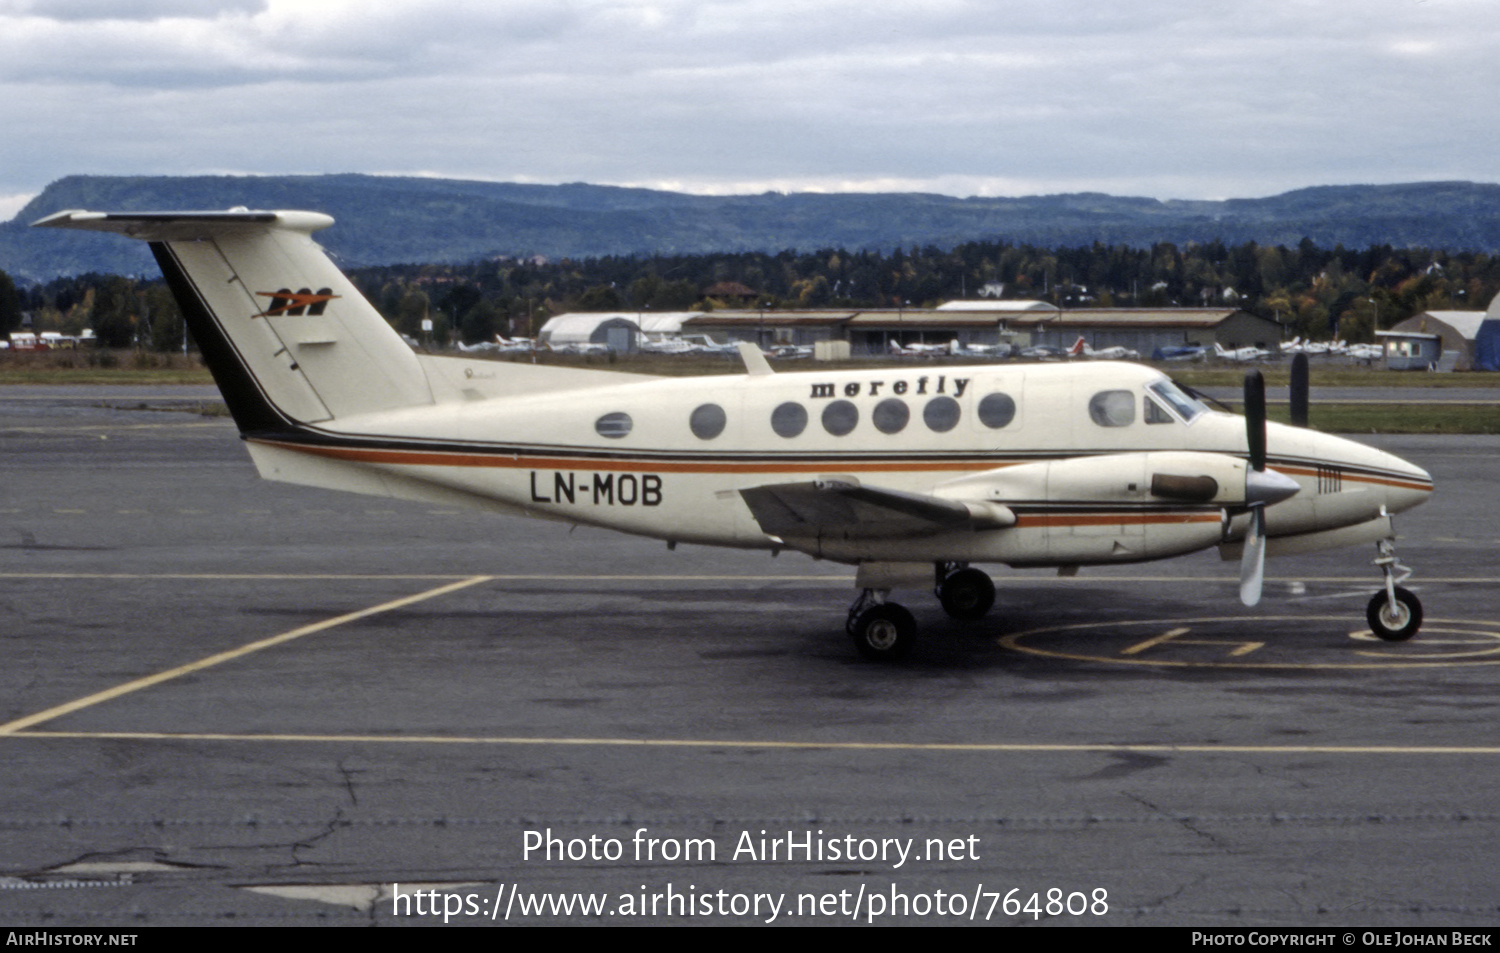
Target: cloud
(1167,98)
(75,10)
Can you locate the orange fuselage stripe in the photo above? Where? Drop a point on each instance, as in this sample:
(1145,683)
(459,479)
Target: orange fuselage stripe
(520,461)
(523,461)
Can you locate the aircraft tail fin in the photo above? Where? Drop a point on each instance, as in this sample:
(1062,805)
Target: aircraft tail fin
(287,336)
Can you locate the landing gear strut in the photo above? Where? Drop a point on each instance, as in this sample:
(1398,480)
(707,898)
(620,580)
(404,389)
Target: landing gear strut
(1394,614)
(966,593)
(882,631)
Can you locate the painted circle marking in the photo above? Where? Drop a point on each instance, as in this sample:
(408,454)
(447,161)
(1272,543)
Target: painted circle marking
(1249,642)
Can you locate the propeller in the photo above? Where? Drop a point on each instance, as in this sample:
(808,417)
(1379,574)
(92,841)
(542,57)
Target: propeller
(1262,488)
(1299,390)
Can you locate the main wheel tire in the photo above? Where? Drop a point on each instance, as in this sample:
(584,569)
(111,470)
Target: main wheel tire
(967,594)
(884,633)
(1395,623)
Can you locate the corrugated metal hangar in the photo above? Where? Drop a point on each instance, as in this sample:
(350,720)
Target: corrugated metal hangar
(873,331)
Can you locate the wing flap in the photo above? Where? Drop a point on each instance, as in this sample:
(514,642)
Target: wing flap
(829,508)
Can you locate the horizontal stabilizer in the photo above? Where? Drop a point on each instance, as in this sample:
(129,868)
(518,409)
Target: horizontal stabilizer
(182,226)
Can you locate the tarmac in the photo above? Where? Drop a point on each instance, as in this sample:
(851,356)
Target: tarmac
(227,701)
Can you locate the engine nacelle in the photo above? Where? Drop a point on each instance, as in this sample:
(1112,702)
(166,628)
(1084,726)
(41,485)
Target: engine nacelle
(1167,477)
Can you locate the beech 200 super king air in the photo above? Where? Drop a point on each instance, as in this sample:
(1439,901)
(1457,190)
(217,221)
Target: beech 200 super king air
(911,474)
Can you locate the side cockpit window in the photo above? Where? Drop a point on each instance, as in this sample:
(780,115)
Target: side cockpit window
(1155,413)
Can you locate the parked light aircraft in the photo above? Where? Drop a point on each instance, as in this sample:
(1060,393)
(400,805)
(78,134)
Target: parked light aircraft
(919,350)
(957,348)
(1187,352)
(1081,348)
(910,474)
(1239,353)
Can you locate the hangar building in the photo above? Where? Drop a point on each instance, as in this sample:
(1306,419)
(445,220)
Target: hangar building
(1445,340)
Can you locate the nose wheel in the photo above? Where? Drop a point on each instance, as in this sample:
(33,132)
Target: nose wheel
(1394,614)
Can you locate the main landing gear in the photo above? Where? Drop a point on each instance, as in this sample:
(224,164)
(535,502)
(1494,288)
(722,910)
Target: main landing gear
(966,593)
(1394,614)
(885,631)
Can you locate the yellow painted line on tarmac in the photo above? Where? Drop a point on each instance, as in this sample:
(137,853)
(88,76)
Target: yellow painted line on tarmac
(1409,656)
(11,395)
(88,701)
(1365,581)
(1393,401)
(490,577)
(95,428)
(979,747)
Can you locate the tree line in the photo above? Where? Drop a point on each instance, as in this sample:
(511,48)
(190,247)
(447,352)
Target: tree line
(1313,292)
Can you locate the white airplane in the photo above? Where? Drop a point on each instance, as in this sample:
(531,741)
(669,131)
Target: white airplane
(703,344)
(1081,348)
(667,344)
(1239,354)
(909,474)
(957,348)
(919,350)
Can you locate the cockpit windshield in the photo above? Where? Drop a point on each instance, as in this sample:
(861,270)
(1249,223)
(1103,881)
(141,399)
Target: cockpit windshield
(1186,407)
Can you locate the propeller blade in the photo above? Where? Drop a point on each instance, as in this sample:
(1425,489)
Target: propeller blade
(1253,562)
(1299,391)
(1255,419)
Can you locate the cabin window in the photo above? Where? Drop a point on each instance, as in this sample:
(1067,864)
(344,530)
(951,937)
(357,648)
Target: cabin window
(613,426)
(997,410)
(789,419)
(840,417)
(1112,408)
(890,415)
(1155,413)
(707,421)
(941,414)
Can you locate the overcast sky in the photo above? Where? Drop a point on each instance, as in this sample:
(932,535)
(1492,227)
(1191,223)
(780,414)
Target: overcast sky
(1189,99)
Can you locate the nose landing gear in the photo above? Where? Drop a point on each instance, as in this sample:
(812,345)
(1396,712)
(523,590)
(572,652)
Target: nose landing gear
(1394,614)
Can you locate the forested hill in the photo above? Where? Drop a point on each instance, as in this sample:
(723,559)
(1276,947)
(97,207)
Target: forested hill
(383,220)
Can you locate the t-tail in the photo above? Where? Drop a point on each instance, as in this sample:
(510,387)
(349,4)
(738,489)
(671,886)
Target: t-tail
(289,339)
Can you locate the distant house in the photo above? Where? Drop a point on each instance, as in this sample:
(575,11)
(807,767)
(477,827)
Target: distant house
(729,290)
(1456,340)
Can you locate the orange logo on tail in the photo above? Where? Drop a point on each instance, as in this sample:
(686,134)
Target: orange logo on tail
(292,303)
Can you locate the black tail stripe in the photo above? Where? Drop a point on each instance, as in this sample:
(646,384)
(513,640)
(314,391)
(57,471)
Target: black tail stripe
(252,411)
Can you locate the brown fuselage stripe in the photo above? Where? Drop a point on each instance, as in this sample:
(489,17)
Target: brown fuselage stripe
(522,461)
(1357,477)
(518,461)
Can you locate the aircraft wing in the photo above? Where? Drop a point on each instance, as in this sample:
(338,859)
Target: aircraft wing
(823,508)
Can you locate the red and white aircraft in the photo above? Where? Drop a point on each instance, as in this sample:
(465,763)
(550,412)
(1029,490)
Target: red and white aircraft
(911,474)
(1081,348)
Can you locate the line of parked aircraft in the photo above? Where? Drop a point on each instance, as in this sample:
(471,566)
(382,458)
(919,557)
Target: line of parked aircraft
(703,344)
